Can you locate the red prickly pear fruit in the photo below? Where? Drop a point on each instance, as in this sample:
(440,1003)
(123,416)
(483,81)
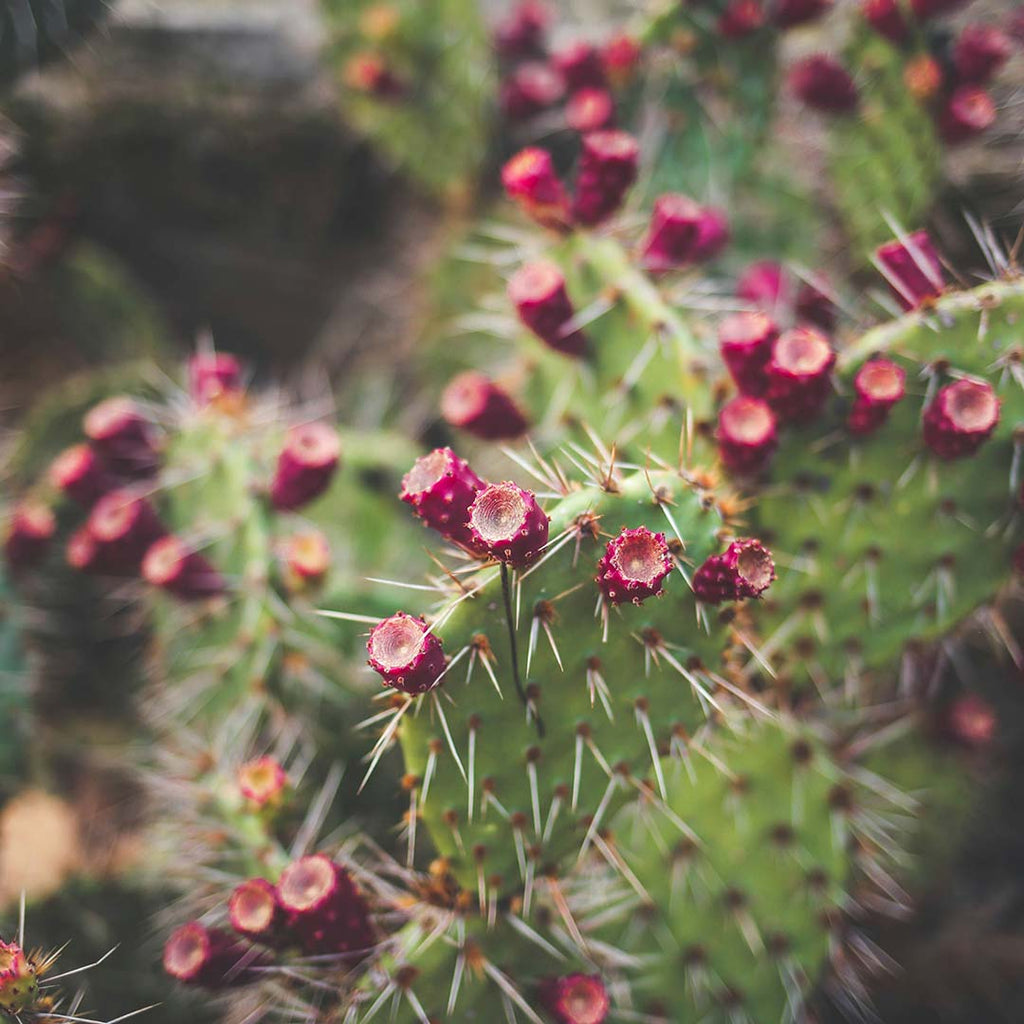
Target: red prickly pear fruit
(960,418)
(608,168)
(325,911)
(747,435)
(506,522)
(824,84)
(745,341)
(29,534)
(474,403)
(207,957)
(971,721)
(744,570)
(713,234)
(522,33)
(634,566)
(575,999)
(763,284)
(879,385)
(620,57)
(212,375)
(923,77)
(790,13)
(83,552)
(741,18)
(968,112)
(256,914)
(925,9)
(262,782)
(530,180)
(305,466)
(980,51)
(123,437)
(800,374)
(79,473)
(673,234)
(912,268)
(580,65)
(19,983)
(370,74)
(405,654)
(533,87)
(886,18)
(172,566)
(440,487)
(537,290)
(124,525)
(590,110)
(307,559)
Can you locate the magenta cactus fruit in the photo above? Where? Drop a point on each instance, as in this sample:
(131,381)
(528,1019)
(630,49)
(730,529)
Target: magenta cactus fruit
(256,913)
(123,436)
(925,9)
(744,570)
(211,375)
(305,466)
(262,782)
(886,18)
(971,721)
(325,911)
(537,290)
(172,565)
(763,284)
(83,552)
(912,268)
(80,473)
(968,111)
(441,487)
(530,180)
(790,13)
(608,168)
(522,32)
(530,89)
(712,235)
(740,18)
(474,403)
(745,341)
(673,234)
(879,385)
(19,983)
(980,51)
(590,110)
(206,957)
(961,418)
(800,374)
(824,84)
(747,435)
(580,65)
(634,566)
(124,525)
(506,522)
(29,534)
(405,654)
(575,999)
(620,56)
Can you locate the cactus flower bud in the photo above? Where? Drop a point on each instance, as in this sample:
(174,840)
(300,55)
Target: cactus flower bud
(590,110)
(19,984)
(886,18)
(325,911)
(745,341)
(634,566)
(474,403)
(522,32)
(620,56)
(575,999)
(206,957)
(405,654)
(124,525)
(960,418)
(799,374)
(747,435)
(879,385)
(307,559)
(745,569)
(262,782)
(741,18)
(980,51)
(530,180)
(673,234)
(713,234)
(123,437)
(823,84)
(968,111)
(580,65)
(255,912)
(79,473)
(172,566)
(441,487)
(923,77)
(305,466)
(530,89)
(537,290)
(790,13)
(212,375)
(912,268)
(608,167)
(506,521)
(29,533)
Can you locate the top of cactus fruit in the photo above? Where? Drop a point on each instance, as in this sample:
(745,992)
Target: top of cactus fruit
(755,565)
(427,471)
(499,512)
(748,419)
(971,405)
(186,951)
(109,417)
(314,444)
(802,351)
(881,380)
(535,281)
(305,882)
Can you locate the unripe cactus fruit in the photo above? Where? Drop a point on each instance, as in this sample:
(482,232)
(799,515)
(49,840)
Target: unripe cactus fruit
(19,984)
(474,403)
(608,168)
(744,570)
(745,341)
(980,51)
(212,375)
(538,292)
(799,374)
(961,418)
(405,655)
(206,957)
(262,782)
(590,110)
(530,180)
(879,384)
(968,111)
(440,487)
(634,566)
(29,534)
(506,521)
(325,911)
(747,434)
(125,525)
(172,566)
(256,913)
(123,436)
(575,999)
(305,467)
(307,557)
(912,268)
(79,473)
(674,232)
(824,84)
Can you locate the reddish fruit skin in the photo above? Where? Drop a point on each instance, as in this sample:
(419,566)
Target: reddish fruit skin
(608,168)
(124,526)
(971,721)
(619,583)
(741,18)
(206,957)
(763,284)
(538,292)
(575,999)
(912,269)
(824,84)
(213,374)
(798,392)
(19,982)
(170,565)
(476,404)
(79,473)
(968,111)
(590,110)
(440,488)
(879,385)
(411,669)
(123,437)
(580,65)
(530,180)
(533,87)
(747,435)
(924,9)
(522,32)
(744,570)
(337,920)
(713,234)
(745,341)
(369,73)
(29,535)
(620,57)
(673,234)
(521,529)
(83,552)
(270,929)
(305,467)
(790,13)
(886,18)
(945,431)
(980,51)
